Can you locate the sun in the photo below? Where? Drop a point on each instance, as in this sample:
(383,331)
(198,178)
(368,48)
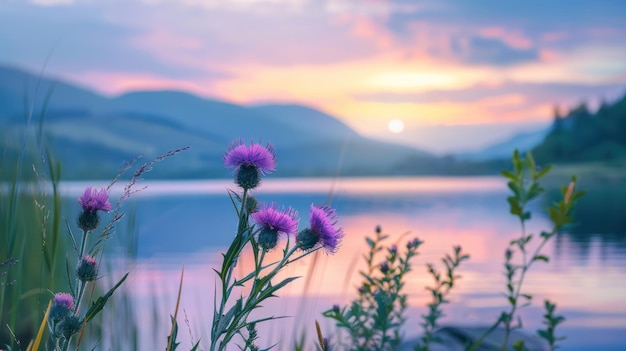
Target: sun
(395,126)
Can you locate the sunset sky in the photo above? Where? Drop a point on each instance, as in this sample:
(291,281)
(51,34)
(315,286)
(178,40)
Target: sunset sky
(434,65)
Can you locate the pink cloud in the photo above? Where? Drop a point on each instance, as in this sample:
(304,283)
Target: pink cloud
(554,37)
(514,38)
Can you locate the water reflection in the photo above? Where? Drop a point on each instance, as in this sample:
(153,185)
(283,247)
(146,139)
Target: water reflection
(192,226)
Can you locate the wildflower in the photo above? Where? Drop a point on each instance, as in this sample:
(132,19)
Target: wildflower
(95,200)
(92,201)
(250,162)
(323,230)
(384,267)
(393,250)
(414,244)
(87,270)
(62,306)
(273,224)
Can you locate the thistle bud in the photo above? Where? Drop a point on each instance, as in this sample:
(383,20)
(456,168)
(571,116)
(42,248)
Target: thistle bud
(87,270)
(247,177)
(307,239)
(88,220)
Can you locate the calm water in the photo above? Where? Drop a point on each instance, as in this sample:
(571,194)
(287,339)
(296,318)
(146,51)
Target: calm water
(188,224)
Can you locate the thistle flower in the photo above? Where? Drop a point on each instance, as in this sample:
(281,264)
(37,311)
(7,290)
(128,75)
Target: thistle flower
(87,269)
(323,230)
(274,223)
(62,306)
(92,201)
(250,162)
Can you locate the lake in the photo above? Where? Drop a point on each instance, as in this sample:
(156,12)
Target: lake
(189,223)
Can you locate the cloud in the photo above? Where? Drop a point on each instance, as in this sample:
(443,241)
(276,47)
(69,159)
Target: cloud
(82,38)
(504,32)
(489,51)
(52,2)
(533,93)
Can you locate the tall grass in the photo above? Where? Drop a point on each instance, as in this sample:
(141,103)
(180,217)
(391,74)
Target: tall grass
(30,222)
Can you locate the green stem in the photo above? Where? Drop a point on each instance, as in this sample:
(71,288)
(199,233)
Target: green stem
(240,243)
(239,321)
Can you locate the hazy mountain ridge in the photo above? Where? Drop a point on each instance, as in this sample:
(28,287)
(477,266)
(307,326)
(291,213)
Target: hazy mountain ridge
(94,135)
(503,150)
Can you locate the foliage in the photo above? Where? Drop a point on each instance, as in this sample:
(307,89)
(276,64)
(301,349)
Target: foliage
(551,321)
(582,136)
(373,320)
(523,181)
(232,318)
(442,287)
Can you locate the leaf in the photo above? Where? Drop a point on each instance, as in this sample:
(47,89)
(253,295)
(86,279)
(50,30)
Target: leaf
(195,347)
(98,305)
(541,258)
(224,320)
(171,339)
(509,175)
(543,172)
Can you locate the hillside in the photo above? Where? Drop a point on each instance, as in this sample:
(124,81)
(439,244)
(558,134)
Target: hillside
(93,135)
(584,136)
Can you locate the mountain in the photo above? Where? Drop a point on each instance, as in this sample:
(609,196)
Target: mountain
(94,135)
(504,149)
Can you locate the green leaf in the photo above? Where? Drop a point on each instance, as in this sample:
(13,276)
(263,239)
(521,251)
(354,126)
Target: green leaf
(172,337)
(509,175)
(370,242)
(543,172)
(98,305)
(541,258)
(195,347)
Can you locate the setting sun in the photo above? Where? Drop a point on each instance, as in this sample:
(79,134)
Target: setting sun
(395,126)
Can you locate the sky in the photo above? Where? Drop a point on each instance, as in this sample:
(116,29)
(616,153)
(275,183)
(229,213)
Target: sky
(439,74)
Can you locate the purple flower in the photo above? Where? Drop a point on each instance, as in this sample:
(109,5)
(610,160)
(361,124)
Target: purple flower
(64,299)
(393,250)
(93,200)
(384,267)
(413,244)
(323,228)
(250,162)
(62,305)
(274,223)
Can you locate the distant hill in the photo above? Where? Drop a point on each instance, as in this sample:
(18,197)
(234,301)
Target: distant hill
(584,136)
(93,135)
(503,150)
